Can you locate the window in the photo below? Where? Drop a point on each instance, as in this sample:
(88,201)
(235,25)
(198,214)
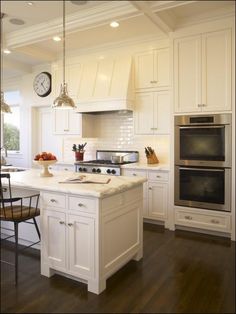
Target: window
(11,122)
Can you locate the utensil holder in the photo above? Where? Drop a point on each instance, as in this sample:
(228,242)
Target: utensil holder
(152,159)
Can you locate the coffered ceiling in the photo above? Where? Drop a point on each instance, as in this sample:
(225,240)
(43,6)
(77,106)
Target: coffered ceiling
(87,25)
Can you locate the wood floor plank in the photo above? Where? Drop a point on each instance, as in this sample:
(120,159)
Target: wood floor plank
(181,272)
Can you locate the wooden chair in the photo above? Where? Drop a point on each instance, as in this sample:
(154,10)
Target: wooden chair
(17,210)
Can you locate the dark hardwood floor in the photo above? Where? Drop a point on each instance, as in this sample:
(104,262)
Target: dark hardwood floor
(181,272)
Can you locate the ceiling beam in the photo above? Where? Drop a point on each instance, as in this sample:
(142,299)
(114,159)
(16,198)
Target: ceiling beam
(153,17)
(36,53)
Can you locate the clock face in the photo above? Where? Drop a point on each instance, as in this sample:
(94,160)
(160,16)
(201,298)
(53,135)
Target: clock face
(42,84)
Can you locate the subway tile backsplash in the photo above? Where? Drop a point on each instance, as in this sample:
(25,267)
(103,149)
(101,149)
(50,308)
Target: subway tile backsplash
(115,131)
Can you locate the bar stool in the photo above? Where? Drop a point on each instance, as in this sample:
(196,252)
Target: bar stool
(17,210)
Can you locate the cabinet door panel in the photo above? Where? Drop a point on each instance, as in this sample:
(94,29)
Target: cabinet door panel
(157,200)
(54,238)
(216,70)
(161,113)
(144,69)
(144,113)
(161,67)
(81,245)
(187,74)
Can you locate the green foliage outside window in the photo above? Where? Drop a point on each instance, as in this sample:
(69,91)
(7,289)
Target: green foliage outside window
(11,138)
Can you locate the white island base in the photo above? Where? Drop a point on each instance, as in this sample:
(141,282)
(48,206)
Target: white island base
(88,231)
(89,239)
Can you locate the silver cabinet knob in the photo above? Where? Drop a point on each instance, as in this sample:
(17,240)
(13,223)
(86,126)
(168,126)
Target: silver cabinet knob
(52,200)
(215,221)
(70,224)
(150,188)
(134,174)
(80,205)
(62,222)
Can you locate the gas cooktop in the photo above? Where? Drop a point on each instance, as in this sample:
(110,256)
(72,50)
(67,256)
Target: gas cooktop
(103,163)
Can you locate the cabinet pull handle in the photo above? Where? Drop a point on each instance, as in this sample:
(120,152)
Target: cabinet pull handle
(80,205)
(134,174)
(70,224)
(150,188)
(158,176)
(62,222)
(52,200)
(199,105)
(214,221)
(66,130)
(153,81)
(153,128)
(66,169)
(188,217)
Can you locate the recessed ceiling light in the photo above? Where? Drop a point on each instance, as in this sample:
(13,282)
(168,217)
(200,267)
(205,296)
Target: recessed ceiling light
(6,51)
(30,3)
(56,38)
(114,24)
(17,21)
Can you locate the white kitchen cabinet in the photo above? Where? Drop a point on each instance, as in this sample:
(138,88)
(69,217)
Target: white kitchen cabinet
(157,200)
(141,173)
(155,192)
(54,238)
(203,219)
(68,238)
(202,72)
(67,121)
(154,109)
(152,69)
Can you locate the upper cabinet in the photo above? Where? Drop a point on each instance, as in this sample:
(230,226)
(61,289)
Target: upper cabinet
(152,113)
(152,69)
(202,72)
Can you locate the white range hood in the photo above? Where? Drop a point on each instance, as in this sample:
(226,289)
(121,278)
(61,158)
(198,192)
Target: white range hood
(106,86)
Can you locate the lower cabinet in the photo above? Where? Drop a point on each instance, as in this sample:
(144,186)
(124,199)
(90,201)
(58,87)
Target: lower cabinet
(203,219)
(155,192)
(69,241)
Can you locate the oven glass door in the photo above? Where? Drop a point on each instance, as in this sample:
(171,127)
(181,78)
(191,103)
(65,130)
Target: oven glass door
(203,188)
(202,143)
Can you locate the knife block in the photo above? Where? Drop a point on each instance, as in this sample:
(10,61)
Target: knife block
(152,159)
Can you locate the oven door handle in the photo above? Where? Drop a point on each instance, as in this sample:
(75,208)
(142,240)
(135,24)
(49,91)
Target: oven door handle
(201,169)
(202,127)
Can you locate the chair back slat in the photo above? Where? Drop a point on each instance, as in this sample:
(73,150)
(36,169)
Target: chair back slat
(16,208)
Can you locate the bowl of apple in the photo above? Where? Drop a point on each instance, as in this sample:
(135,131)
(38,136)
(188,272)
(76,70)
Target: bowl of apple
(45,160)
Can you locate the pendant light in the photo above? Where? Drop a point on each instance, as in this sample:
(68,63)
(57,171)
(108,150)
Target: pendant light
(5,108)
(63,101)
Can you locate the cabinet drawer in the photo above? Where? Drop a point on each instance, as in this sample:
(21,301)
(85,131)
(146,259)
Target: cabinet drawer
(54,200)
(134,173)
(204,221)
(158,176)
(82,204)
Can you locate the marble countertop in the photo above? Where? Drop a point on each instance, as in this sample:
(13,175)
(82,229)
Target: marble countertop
(143,166)
(31,179)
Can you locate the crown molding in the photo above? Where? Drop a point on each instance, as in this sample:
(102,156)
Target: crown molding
(81,20)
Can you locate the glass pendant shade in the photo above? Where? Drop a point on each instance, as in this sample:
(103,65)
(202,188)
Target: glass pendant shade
(63,101)
(5,108)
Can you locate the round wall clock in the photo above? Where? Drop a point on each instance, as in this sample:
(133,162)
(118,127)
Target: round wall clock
(42,84)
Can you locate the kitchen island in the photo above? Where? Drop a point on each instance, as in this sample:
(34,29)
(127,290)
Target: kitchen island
(88,230)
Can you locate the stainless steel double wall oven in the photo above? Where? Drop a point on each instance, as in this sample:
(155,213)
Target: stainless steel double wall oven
(203,161)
